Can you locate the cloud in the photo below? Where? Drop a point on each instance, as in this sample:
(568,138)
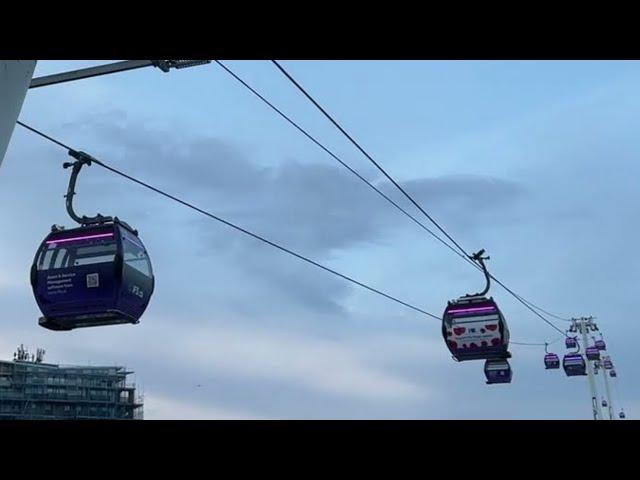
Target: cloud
(250,372)
(244,351)
(165,408)
(316,209)
(467,202)
(316,206)
(317,364)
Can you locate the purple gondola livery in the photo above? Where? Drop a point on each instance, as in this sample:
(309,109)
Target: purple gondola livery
(571,342)
(91,276)
(551,361)
(592,353)
(497,371)
(574,365)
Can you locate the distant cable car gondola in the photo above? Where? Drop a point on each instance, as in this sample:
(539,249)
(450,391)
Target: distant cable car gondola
(604,403)
(551,360)
(592,353)
(497,371)
(622,415)
(600,345)
(96,274)
(574,365)
(571,342)
(473,326)
(613,373)
(607,363)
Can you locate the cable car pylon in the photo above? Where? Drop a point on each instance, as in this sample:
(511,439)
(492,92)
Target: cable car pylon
(609,398)
(582,326)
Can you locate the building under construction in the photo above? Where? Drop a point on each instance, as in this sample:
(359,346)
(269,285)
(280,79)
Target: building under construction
(32,389)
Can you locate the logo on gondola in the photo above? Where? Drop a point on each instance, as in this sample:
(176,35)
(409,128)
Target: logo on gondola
(93,280)
(137,291)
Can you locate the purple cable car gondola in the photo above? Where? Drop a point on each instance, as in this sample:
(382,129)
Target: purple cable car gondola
(551,361)
(607,363)
(571,342)
(497,371)
(600,345)
(90,276)
(574,365)
(613,373)
(96,274)
(622,415)
(592,353)
(473,327)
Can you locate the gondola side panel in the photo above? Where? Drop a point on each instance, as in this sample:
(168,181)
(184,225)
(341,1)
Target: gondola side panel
(76,291)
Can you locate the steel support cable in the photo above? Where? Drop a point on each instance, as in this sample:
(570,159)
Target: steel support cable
(463,254)
(236,227)
(102,164)
(338,159)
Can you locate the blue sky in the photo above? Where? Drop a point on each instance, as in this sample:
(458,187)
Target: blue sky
(534,161)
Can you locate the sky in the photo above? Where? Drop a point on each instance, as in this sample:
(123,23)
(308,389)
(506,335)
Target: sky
(534,161)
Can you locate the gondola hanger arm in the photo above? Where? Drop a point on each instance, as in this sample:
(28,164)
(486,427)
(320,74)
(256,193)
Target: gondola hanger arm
(82,159)
(479,259)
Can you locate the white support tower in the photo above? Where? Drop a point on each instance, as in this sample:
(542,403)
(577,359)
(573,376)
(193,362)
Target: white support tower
(583,325)
(605,374)
(15,78)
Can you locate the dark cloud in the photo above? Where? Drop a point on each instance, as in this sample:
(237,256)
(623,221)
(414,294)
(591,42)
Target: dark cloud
(318,210)
(320,207)
(460,203)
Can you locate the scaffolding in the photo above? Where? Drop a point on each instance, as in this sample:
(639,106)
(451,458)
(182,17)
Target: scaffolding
(32,389)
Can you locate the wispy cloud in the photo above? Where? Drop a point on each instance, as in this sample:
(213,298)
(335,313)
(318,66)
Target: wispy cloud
(167,408)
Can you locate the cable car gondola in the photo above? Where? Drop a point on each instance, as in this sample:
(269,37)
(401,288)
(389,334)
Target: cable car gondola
(622,415)
(592,353)
(574,365)
(571,342)
(473,326)
(600,345)
(551,360)
(607,363)
(475,329)
(613,373)
(497,371)
(604,403)
(96,274)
